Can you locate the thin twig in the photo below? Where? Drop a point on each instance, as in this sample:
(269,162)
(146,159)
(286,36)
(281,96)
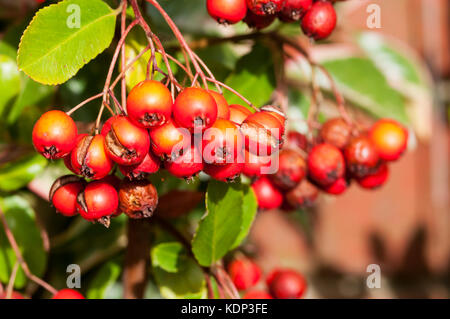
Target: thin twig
(12,280)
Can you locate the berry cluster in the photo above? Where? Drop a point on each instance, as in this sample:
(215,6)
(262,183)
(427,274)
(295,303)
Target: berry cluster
(198,131)
(338,156)
(318,17)
(281,283)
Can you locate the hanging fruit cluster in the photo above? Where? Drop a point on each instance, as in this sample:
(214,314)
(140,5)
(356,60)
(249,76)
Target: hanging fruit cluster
(316,17)
(338,156)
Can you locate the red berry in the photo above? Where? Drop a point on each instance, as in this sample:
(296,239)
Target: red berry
(303,195)
(89,157)
(287,284)
(168,140)
(107,125)
(257,294)
(149,104)
(326,164)
(114,181)
(320,20)
(54,134)
(297,140)
(265,7)
(98,202)
(292,169)
(258,21)
(227,11)
(293,10)
(126,143)
(389,138)
(336,132)
(222,143)
(224,173)
(223,110)
(68,294)
(337,188)
(238,113)
(138,199)
(195,109)
(244,273)
(256,166)
(14,295)
(149,165)
(362,156)
(376,179)
(187,164)
(63,194)
(268,196)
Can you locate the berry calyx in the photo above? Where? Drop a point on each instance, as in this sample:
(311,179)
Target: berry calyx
(361,156)
(257,294)
(223,110)
(265,7)
(54,134)
(89,157)
(224,173)
(293,10)
(97,202)
(325,164)
(138,199)
(63,194)
(320,20)
(303,195)
(286,284)
(227,11)
(337,132)
(126,143)
(244,273)
(195,109)
(149,165)
(258,21)
(149,104)
(68,294)
(376,179)
(389,138)
(168,140)
(238,113)
(268,196)
(186,165)
(292,169)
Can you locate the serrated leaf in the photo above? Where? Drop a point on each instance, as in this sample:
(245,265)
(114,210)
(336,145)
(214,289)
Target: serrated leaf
(254,77)
(166,256)
(15,175)
(9,81)
(20,218)
(103,280)
(53,48)
(249,210)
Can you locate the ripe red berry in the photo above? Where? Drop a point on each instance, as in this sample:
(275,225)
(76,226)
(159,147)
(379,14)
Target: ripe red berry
(297,140)
(138,199)
(277,113)
(114,181)
(63,194)
(89,157)
(389,138)
(320,20)
(268,196)
(337,132)
(244,273)
(222,143)
(265,7)
(195,109)
(149,104)
(292,169)
(68,294)
(168,140)
(337,188)
(224,173)
(98,202)
(126,143)
(362,156)
(223,110)
(293,10)
(186,165)
(303,195)
(256,166)
(325,164)
(54,134)
(257,294)
(287,284)
(376,179)
(149,165)
(14,295)
(107,125)
(258,21)
(238,113)
(227,11)
(263,133)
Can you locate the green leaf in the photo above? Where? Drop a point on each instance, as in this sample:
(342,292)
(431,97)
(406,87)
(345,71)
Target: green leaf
(224,224)
(15,175)
(249,210)
(254,77)
(20,218)
(364,85)
(166,256)
(53,48)
(104,280)
(9,81)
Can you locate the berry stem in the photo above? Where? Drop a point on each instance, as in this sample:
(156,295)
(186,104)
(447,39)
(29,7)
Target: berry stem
(12,280)
(80,105)
(123,22)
